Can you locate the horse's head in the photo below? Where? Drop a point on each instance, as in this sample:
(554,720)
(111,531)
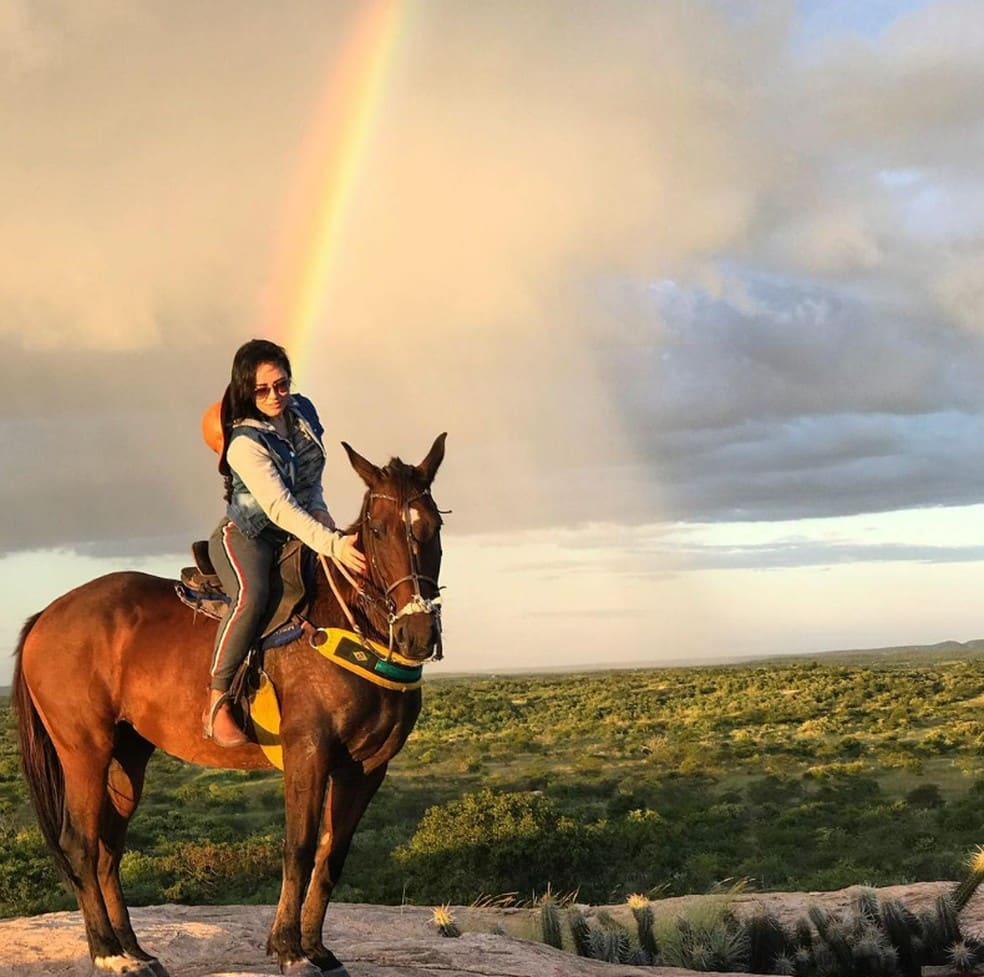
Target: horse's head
(400,532)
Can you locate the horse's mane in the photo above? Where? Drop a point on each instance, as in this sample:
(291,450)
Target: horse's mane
(406,476)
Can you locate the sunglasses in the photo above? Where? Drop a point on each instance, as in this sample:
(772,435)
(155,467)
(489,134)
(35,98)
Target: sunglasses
(281,388)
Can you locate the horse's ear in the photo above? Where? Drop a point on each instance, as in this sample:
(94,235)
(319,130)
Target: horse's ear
(429,466)
(367,471)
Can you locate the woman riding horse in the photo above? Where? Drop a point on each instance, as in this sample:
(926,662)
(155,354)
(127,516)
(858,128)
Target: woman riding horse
(272,459)
(109,672)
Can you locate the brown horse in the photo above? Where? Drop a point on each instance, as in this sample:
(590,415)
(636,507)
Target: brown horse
(119,666)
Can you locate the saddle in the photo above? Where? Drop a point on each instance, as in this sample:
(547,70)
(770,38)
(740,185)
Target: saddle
(291,587)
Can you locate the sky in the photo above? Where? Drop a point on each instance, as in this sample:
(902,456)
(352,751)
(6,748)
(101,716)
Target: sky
(694,287)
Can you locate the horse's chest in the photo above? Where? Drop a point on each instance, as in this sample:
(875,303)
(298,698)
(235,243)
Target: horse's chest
(377,746)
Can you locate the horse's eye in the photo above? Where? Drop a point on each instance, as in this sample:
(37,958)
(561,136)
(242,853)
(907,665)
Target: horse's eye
(377,529)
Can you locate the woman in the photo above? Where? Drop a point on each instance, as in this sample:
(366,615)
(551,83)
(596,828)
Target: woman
(272,460)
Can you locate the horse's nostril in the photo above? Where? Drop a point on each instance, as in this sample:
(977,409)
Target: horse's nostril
(415,631)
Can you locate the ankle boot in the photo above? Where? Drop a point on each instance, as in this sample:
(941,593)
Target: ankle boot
(220,724)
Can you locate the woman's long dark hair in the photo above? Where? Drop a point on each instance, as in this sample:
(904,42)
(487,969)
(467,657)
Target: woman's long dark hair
(239,399)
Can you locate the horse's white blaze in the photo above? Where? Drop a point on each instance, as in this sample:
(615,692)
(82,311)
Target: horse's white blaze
(414,517)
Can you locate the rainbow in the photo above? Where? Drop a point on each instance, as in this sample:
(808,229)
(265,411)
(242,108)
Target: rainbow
(328,178)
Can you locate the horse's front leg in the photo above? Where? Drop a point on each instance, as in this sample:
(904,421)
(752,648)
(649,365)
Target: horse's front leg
(349,795)
(305,783)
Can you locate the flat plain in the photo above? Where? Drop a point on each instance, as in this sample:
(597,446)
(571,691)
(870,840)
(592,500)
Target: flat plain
(797,774)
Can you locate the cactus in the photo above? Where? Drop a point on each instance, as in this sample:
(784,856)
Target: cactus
(767,941)
(821,920)
(784,964)
(610,943)
(963,956)
(803,961)
(877,939)
(873,956)
(834,934)
(890,961)
(866,904)
(642,910)
(975,875)
(550,922)
(933,937)
(444,921)
(803,933)
(903,929)
(580,931)
(825,963)
(946,912)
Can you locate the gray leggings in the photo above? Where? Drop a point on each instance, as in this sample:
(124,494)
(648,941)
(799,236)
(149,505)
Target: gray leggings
(243,566)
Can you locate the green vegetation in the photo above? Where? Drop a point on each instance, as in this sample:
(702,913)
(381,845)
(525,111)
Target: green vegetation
(799,775)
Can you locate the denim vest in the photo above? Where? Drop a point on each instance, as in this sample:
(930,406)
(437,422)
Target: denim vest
(243,509)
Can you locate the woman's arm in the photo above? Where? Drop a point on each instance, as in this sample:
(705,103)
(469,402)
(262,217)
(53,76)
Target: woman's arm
(255,467)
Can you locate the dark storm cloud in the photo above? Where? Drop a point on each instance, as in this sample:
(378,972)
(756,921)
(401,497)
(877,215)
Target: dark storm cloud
(104,448)
(799,400)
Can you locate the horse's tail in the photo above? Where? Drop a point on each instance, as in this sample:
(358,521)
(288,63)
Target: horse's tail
(39,761)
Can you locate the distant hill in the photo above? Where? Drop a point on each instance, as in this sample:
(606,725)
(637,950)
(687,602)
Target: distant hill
(943,651)
(897,655)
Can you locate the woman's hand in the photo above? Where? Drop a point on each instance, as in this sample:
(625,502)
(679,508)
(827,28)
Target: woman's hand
(350,557)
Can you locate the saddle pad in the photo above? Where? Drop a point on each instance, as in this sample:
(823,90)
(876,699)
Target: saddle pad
(264,716)
(346,649)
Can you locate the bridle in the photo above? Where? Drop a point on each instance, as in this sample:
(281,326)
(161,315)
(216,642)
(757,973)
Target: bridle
(371,596)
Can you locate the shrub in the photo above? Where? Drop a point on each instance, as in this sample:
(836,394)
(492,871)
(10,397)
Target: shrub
(29,881)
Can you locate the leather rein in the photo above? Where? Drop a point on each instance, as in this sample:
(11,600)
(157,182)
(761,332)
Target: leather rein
(371,597)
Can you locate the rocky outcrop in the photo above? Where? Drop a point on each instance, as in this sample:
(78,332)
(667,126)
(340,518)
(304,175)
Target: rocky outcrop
(380,941)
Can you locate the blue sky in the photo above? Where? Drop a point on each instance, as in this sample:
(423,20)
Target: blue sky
(694,287)
(816,19)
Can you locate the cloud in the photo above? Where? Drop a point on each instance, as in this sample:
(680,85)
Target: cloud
(663,551)
(832,244)
(23,46)
(683,262)
(781,398)
(804,553)
(38,38)
(960,290)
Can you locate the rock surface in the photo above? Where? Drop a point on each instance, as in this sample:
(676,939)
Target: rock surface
(383,941)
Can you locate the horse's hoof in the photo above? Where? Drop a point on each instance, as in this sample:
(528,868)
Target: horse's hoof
(337,971)
(305,968)
(327,963)
(158,968)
